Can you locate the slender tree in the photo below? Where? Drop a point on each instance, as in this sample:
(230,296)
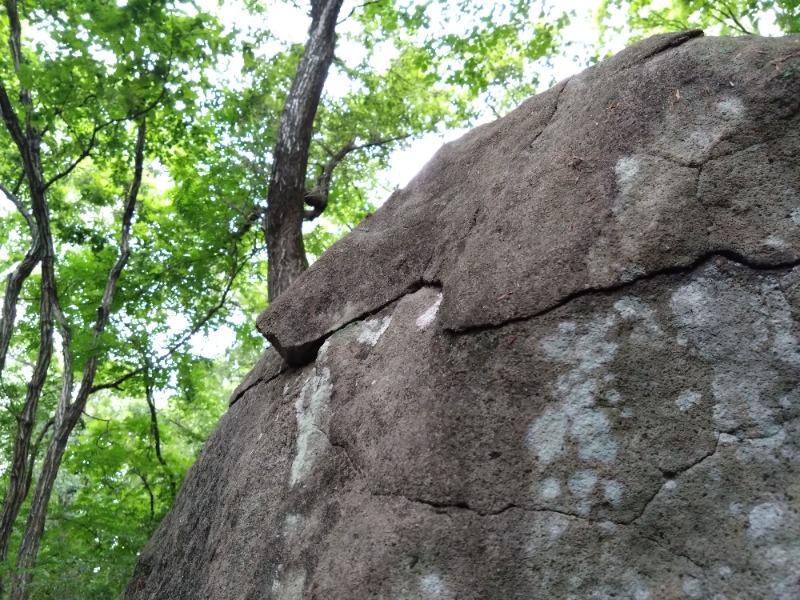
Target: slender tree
(82,113)
(283,218)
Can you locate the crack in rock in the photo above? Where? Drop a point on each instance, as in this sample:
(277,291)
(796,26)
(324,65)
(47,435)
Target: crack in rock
(239,393)
(695,265)
(673,477)
(701,567)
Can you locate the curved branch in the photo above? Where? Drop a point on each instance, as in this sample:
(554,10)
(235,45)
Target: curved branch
(317,198)
(20,206)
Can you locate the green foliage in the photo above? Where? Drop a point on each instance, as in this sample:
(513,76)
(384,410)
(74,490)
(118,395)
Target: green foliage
(729,17)
(212,101)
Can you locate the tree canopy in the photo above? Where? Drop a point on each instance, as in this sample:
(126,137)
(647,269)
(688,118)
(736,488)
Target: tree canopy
(147,145)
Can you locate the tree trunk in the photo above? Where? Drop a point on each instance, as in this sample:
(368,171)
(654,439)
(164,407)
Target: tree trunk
(68,412)
(27,139)
(283,220)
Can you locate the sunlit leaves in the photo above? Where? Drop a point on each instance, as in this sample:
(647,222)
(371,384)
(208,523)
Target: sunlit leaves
(730,17)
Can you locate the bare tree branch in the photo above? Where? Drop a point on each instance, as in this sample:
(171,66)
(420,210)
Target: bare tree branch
(317,198)
(731,14)
(20,206)
(355,8)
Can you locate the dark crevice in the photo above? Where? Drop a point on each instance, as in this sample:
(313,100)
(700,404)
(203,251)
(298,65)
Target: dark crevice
(446,507)
(304,354)
(346,451)
(238,395)
(760,142)
(699,262)
(677,39)
(552,116)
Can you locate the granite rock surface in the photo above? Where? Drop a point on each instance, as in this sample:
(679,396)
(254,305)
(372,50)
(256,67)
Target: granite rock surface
(564,362)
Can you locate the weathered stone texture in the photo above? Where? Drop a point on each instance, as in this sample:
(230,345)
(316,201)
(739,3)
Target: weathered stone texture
(563,363)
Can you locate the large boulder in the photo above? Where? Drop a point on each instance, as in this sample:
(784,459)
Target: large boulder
(562,363)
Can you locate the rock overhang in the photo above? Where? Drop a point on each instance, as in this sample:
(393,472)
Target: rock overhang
(611,175)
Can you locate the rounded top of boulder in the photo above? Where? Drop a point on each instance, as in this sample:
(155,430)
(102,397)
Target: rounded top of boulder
(649,161)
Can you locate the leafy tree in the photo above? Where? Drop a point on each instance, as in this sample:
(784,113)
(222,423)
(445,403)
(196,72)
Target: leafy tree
(728,17)
(83,90)
(145,190)
(98,99)
(434,80)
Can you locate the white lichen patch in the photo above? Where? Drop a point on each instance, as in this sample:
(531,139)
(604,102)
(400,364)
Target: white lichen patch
(785,347)
(691,305)
(429,315)
(741,330)
(290,587)
(592,430)
(738,401)
(292,525)
(692,587)
(582,484)
(613,397)
(432,586)
(626,169)
(547,436)
(371,331)
(688,399)
(775,242)
(795,215)
(690,136)
(557,527)
(635,310)
(777,555)
(577,418)
(765,518)
(550,489)
(312,412)
(774,448)
(613,492)
(730,108)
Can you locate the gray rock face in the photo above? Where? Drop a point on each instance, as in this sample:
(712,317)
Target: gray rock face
(563,363)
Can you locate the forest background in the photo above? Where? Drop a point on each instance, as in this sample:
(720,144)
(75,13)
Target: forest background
(156,154)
